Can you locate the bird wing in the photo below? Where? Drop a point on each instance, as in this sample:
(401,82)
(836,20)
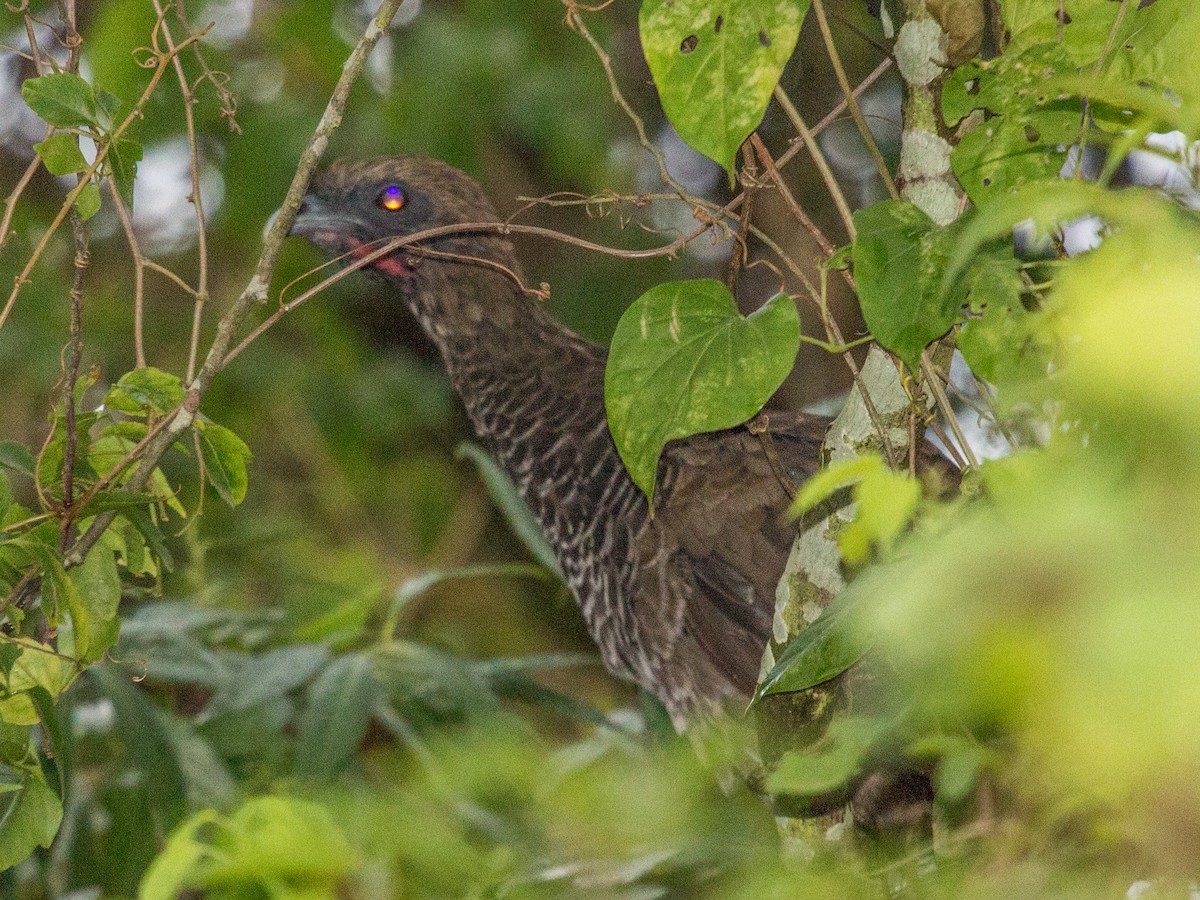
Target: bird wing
(723,538)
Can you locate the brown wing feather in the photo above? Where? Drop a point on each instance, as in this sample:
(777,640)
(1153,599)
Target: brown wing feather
(723,503)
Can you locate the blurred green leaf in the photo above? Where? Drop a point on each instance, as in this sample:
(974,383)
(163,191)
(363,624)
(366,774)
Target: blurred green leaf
(225,458)
(168,875)
(684,360)
(715,64)
(267,842)
(29,817)
(335,720)
(61,154)
(145,389)
(16,457)
(62,99)
(88,201)
(264,676)
(829,766)
(833,478)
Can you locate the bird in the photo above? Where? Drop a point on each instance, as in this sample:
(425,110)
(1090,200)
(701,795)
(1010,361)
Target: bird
(680,601)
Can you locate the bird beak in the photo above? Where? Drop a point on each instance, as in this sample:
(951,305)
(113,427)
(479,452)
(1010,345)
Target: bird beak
(317,217)
(313,217)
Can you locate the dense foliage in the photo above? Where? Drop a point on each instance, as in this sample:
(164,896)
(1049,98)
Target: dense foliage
(261,635)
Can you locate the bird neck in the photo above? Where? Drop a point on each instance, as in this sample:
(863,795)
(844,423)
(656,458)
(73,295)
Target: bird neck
(523,378)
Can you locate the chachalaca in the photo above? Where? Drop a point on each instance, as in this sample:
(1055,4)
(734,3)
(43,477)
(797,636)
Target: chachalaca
(680,602)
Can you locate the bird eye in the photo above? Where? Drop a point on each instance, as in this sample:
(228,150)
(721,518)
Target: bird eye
(390,198)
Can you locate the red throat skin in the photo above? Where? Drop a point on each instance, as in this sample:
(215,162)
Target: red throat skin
(393,264)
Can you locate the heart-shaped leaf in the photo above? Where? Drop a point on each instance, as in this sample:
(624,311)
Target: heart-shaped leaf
(716,62)
(684,360)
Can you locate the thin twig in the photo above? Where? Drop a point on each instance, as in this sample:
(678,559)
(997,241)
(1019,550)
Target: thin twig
(79,234)
(749,181)
(934,381)
(818,158)
(139,272)
(10,202)
(575,22)
(201,294)
(72,196)
(797,210)
(74,359)
(818,7)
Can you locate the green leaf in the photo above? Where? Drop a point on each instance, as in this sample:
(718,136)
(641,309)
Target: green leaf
(900,258)
(685,361)
(62,99)
(225,458)
(149,529)
(16,457)
(1157,45)
(1002,341)
(29,817)
(88,201)
(60,756)
(61,154)
(38,666)
(145,389)
(59,593)
(515,512)
(833,478)
(841,755)
(108,105)
(265,676)
(166,878)
(123,157)
(335,721)
(7,498)
(10,652)
(1006,152)
(98,589)
(823,650)
(715,64)
(291,845)
(884,502)
(110,500)
(1085,29)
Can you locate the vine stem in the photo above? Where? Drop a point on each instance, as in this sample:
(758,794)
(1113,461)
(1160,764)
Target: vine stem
(818,158)
(835,60)
(200,295)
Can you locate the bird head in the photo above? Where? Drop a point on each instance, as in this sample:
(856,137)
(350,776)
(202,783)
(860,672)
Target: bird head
(356,207)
